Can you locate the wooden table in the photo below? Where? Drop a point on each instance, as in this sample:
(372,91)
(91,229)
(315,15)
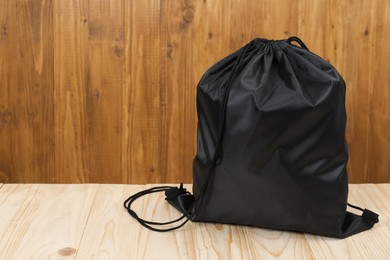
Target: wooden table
(52,221)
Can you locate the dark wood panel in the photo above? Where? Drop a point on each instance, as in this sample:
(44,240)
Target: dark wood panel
(106,20)
(142,93)
(104,91)
(179,88)
(26,92)
(71,72)
(378,164)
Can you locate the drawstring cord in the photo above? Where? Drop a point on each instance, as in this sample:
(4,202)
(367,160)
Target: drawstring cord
(299,41)
(367,214)
(146,223)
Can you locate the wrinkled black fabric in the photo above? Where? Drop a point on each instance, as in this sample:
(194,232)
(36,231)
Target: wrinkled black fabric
(284,156)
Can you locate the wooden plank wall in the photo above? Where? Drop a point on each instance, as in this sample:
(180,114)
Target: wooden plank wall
(104,91)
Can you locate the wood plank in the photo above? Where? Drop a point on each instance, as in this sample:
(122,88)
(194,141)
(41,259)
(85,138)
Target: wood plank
(13,198)
(373,244)
(378,164)
(8,43)
(358,80)
(5,115)
(141,93)
(70,80)
(179,87)
(385,189)
(105,104)
(49,224)
(110,232)
(26,92)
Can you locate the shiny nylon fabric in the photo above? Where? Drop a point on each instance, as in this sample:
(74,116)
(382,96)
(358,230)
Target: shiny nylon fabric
(283,158)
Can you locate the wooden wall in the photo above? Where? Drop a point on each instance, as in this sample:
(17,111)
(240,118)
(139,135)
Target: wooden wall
(104,91)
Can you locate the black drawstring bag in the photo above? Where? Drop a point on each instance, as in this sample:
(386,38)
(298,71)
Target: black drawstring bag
(271,146)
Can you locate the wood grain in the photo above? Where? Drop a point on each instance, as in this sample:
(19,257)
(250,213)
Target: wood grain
(359,84)
(71,91)
(104,91)
(179,89)
(13,204)
(26,91)
(105,85)
(87,221)
(142,93)
(379,136)
(49,221)
(107,226)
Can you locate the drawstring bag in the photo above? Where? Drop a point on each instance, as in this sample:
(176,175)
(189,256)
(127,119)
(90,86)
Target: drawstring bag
(271,146)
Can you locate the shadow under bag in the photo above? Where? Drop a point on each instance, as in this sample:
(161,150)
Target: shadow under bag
(271,146)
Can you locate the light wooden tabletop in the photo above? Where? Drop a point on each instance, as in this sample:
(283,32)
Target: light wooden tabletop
(59,221)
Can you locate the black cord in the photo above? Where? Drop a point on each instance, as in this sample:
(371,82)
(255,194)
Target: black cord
(296,39)
(128,202)
(355,207)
